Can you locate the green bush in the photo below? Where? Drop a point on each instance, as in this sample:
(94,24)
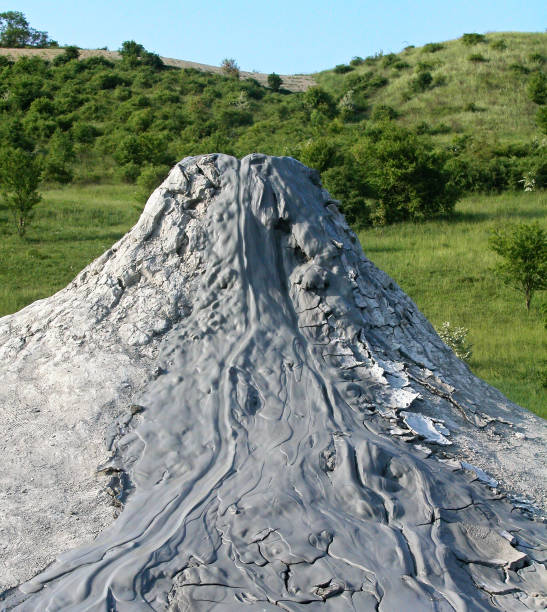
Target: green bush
(477,58)
(536,58)
(523,249)
(347,184)
(319,154)
(432,47)
(274,81)
(405,174)
(421,82)
(150,177)
(317,98)
(59,158)
(499,44)
(473,38)
(230,68)
(342,68)
(382,112)
(456,339)
(19,181)
(519,69)
(541,119)
(537,88)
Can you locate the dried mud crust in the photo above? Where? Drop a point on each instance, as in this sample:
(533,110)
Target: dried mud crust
(299,427)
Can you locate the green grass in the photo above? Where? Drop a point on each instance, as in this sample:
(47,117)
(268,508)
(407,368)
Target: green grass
(497,90)
(445,266)
(72,226)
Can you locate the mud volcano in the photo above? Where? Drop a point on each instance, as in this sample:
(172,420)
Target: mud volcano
(271,418)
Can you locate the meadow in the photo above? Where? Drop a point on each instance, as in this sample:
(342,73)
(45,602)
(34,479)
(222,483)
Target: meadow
(444,265)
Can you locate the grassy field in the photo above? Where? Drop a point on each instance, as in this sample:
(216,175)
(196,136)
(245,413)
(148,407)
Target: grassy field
(445,266)
(72,227)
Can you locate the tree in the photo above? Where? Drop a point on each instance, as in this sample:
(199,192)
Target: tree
(19,181)
(230,68)
(524,252)
(134,54)
(15,31)
(59,158)
(405,174)
(274,81)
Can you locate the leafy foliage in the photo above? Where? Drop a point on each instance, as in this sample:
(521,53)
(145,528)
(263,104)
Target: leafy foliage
(230,68)
(19,181)
(456,339)
(406,176)
(524,252)
(537,88)
(473,38)
(15,31)
(274,81)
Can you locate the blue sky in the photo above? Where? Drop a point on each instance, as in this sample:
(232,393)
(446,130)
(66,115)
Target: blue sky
(280,36)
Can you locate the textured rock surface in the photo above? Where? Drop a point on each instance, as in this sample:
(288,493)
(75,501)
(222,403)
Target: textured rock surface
(283,428)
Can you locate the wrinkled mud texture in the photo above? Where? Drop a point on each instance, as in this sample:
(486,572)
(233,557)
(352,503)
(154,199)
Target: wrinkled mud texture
(291,430)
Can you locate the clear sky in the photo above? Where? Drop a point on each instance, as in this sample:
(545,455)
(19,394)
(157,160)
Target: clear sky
(283,36)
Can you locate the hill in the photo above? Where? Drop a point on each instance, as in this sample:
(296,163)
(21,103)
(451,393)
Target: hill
(291,82)
(478,88)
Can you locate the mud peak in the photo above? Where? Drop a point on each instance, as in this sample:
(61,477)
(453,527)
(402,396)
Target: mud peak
(283,427)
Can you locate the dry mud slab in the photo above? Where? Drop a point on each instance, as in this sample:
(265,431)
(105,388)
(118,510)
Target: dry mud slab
(272,418)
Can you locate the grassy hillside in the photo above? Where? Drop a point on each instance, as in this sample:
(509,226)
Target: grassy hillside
(478,89)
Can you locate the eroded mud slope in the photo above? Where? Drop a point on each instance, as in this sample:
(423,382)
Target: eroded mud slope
(292,430)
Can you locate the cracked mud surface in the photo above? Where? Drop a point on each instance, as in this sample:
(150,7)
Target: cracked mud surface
(284,429)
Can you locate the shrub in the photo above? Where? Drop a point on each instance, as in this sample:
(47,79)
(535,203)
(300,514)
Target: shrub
(473,38)
(274,81)
(477,58)
(70,53)
(432,47)
(519,69)
(456,339)
(230,68)
(405,174)
(342,69)
(19,182)
(421,82)
(347,105)
(541,119)
(382,112)
(84,132)
(149,178)
(536,58)
(524,251)
(347,183)
(499,44)
(537,88)
(60,155)
(319,154)
(400,65)
(356,61)
(317,98)
(389,60)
